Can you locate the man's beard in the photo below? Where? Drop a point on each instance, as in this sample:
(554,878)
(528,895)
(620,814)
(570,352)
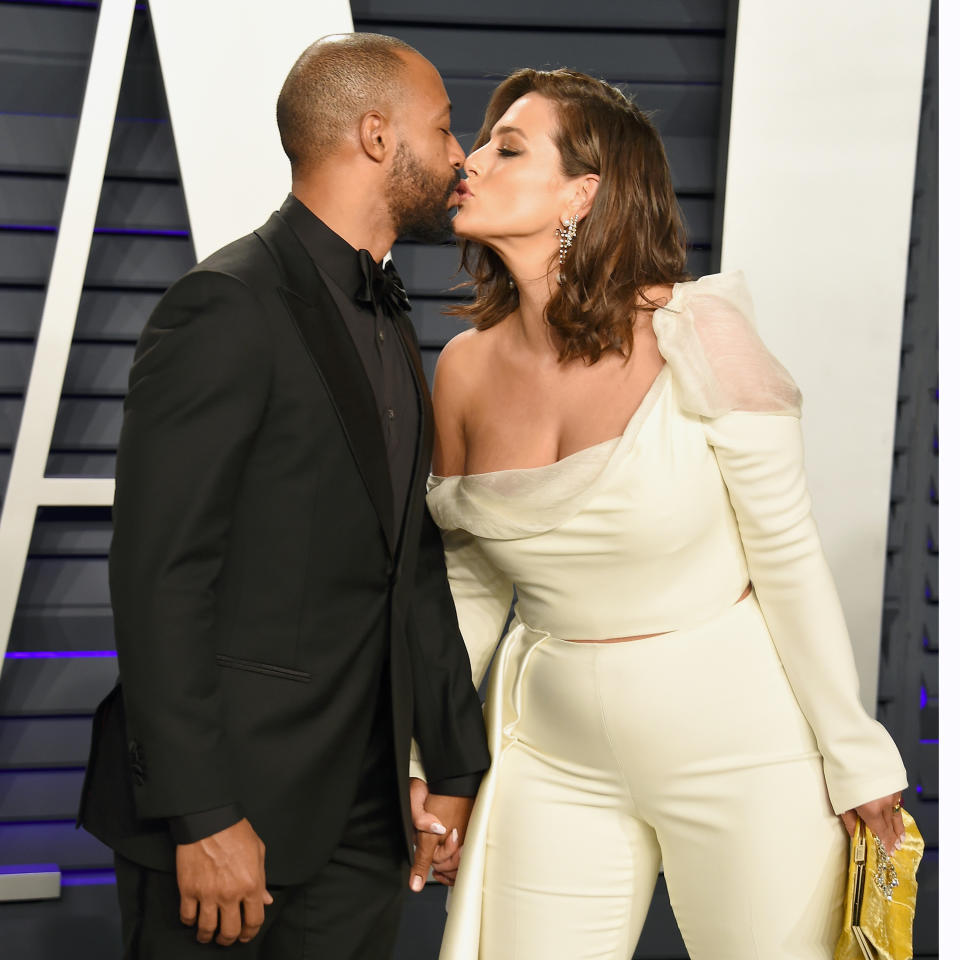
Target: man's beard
(418,199)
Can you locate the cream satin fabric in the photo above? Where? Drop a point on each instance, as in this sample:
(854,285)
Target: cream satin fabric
(659,530)
(624,755)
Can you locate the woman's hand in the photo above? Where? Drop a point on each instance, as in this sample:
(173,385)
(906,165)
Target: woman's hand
(882,817)
(446,860)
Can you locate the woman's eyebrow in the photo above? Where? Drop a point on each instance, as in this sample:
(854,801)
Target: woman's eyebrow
(498,130)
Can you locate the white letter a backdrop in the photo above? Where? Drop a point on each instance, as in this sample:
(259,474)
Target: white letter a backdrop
(820,174)
(223,63)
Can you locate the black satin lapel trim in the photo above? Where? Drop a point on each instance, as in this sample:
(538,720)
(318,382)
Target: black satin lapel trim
(328,342)
(325,335)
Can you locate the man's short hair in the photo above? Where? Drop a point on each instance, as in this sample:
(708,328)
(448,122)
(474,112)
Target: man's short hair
(335,81)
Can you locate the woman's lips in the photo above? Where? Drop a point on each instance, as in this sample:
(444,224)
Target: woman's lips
(463,191)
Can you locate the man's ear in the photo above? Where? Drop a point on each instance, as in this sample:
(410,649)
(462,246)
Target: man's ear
(376,137)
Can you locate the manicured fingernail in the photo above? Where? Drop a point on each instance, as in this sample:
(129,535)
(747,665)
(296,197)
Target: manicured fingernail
(417,883)
(438,828)
(453,836)
(898,844)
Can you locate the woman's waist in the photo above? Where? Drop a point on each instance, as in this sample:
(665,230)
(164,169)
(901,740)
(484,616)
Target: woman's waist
(646,636)
(595,616)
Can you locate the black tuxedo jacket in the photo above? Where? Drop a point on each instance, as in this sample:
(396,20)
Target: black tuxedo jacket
(256,588)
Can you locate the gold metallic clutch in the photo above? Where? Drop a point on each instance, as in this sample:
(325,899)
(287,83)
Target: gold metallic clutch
(881,897)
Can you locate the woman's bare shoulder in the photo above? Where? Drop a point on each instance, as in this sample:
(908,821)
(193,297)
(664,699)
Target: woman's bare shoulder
(457,382)
(467,346)
(461,363)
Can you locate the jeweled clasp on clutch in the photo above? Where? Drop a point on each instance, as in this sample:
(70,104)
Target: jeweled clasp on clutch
(885,871)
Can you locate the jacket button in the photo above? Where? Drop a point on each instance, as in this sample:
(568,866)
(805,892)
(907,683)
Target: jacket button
(388,569)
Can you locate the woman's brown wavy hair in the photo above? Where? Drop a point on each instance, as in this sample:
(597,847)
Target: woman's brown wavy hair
(632,238)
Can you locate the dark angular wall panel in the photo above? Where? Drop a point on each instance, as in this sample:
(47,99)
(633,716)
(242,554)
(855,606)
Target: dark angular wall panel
(909,690)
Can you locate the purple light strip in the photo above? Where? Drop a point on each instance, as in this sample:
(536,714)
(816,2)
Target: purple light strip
(85,4)
(57,654)
(28,868)
(100,876)
(931,741)
(104,231)
(87,878)
(28,227)
(137,232)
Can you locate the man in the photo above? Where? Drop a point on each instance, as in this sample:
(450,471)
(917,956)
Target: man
(282,615)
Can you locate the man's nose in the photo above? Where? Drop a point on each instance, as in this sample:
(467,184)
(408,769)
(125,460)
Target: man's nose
(457,155)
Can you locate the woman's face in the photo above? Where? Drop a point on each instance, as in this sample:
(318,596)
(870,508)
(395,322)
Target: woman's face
(515,188)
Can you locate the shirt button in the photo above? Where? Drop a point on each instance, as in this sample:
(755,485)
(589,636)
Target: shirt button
(381,336)
(391,413)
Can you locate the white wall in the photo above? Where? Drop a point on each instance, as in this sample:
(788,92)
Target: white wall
(823,138)
(223,64)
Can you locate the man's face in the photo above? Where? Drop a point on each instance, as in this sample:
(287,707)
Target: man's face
(422,182)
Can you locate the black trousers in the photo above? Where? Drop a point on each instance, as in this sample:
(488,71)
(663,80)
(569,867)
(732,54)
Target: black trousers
(350,911)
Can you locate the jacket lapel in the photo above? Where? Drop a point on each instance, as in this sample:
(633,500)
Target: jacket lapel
(325,336)
(412,348)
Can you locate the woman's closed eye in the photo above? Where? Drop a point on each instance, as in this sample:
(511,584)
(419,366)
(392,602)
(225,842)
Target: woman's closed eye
(507,152)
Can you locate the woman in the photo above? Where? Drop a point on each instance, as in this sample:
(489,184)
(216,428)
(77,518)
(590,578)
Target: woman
(677,683)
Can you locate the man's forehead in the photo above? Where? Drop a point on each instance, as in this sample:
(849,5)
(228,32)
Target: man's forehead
(423,77)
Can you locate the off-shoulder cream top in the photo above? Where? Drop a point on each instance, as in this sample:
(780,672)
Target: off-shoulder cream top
(629,537)
(661,529)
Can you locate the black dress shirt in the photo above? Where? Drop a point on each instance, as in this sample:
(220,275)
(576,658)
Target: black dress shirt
(377,341)
(387,366)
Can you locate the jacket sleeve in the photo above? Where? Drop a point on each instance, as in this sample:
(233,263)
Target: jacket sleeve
(482,597)
(761,461)
(198,389)
(750,409)
(448,721)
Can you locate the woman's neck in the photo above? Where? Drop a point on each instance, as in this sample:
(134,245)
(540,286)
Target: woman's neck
(536,281)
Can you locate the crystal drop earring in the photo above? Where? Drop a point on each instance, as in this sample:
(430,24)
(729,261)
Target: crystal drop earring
(567,234)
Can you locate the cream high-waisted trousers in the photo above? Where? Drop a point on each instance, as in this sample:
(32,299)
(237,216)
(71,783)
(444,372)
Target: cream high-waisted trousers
(687,747)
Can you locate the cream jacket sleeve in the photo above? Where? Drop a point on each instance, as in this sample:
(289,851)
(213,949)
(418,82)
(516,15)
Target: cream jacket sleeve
(482,595)
(761,460)
(750,410)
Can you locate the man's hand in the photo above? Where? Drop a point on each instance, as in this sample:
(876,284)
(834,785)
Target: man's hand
(218,876)
(441,824)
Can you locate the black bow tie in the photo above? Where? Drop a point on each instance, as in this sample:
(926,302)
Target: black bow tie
(381,286)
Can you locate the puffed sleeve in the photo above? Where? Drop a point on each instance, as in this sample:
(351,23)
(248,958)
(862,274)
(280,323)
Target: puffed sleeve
(719,362)
(482,596)
(750,408)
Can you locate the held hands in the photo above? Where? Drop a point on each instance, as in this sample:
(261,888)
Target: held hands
(882,817)
(441,823)
(218,877)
